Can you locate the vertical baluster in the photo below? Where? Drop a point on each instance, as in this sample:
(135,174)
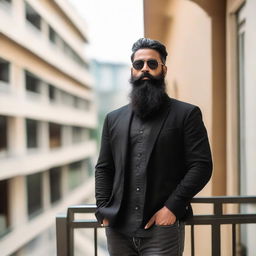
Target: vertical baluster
(95,242)
(192,241)
(234,239)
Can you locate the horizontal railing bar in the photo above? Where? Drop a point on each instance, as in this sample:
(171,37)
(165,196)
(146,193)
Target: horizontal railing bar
(82,208)
(224,219)
(90,208)
(225,199)
(81,224)
(197,220)
(85,224)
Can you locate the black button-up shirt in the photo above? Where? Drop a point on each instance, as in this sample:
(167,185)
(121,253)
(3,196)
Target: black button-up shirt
(131,214)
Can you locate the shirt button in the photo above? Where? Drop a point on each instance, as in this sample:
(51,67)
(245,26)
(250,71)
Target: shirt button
(139,155)
(141,131)
(140,139)
(136,208)
(137,189)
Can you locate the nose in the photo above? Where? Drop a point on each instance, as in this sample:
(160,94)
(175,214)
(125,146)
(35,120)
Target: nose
(145,67)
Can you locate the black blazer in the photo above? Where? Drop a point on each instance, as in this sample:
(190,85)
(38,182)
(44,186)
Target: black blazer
(179,162)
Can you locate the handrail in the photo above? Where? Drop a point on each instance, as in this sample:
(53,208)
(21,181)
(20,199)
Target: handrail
(66,223)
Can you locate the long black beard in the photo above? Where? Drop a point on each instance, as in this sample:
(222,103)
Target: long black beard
(148,96)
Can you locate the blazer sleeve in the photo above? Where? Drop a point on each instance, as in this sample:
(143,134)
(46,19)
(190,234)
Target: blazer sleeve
(198,163)
(104,172)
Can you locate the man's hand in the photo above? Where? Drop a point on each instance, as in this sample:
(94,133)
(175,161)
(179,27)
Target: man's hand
(162,217)
(105,223)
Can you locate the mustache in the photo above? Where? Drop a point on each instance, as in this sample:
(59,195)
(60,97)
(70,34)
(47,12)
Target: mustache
(135,80)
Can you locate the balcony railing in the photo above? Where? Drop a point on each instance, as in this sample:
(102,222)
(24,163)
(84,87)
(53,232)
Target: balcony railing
(66,223)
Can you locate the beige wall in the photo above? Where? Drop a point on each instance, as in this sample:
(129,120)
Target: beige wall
(189,70)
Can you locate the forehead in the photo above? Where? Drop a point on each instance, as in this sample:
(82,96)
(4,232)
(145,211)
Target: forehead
(146,54)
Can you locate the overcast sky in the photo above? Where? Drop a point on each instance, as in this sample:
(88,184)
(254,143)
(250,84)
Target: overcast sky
(113,26)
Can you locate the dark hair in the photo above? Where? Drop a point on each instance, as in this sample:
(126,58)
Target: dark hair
(147,43)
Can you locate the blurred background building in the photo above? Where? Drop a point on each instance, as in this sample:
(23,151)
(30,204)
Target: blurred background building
(212,60)
(111,86)
(47,118)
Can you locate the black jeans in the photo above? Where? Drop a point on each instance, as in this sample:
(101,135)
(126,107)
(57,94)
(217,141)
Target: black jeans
(165,241)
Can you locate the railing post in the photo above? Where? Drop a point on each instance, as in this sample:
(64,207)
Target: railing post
(95,242)
(71,217)
(62,235)
(216,230)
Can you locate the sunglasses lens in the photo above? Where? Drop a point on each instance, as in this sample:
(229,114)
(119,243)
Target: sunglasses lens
(138,64)
(153,64)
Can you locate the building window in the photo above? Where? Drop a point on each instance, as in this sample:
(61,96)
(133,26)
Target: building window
(55,184)
(4,207)
(76,102)
(52,93)
(75,175)
(67,99)
(73,55)
(77,135)
(32,16)
(53,36)
(83,104)
(6,1)
(54,135)
(34,194)
(32,133)
(4,71)
(242,99)
(93,134)
(32,82)
(89,166)
(3,134)
(6,4)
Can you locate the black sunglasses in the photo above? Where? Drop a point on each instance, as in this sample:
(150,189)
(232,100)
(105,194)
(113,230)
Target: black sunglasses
(152,64)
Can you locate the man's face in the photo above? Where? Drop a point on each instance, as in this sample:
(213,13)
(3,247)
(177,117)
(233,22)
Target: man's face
(148,93)
(145,55)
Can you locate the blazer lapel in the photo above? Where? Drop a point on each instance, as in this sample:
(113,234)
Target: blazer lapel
(125,128)
(156,125)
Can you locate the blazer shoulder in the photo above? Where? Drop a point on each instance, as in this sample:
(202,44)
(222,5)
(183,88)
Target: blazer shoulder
(182,106)
(118,112)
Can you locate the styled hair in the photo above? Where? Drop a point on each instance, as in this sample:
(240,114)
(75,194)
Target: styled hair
(147,43)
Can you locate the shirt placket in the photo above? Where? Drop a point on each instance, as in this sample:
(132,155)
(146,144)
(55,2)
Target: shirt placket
(140,164)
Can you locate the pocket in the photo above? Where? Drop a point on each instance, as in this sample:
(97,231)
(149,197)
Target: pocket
(166,226)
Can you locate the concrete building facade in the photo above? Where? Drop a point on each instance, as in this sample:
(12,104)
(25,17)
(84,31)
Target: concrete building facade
(47,115)
(211,63)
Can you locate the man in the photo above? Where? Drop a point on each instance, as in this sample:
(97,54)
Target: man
(154,158)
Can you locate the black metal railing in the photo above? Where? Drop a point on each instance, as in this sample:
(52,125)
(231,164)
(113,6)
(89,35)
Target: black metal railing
(66,223)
